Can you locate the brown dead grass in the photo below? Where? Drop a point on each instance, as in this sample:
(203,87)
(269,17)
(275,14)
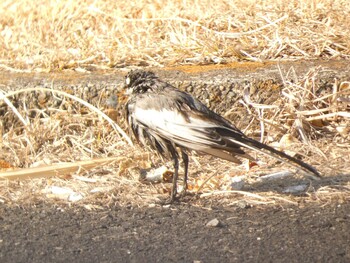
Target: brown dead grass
(83,35)
(75,132)
(86,35)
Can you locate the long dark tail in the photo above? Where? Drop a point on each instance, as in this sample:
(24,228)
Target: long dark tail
(258,146)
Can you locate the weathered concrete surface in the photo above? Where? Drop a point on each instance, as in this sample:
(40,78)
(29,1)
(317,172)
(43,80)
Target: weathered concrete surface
(219,86)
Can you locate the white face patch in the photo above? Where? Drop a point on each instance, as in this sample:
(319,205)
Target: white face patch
(128,91)
(127,81)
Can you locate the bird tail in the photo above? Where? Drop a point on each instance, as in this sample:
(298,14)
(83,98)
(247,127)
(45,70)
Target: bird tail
(261,147)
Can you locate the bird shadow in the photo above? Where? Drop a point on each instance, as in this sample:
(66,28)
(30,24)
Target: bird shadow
(301,186)
(291,185)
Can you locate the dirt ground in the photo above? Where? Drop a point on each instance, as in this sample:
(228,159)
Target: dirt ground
(52,233)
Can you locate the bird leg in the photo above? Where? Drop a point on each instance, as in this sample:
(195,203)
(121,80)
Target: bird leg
(176,175)
(185,161)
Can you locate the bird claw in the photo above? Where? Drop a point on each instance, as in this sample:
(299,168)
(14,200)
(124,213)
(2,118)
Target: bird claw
(169,201)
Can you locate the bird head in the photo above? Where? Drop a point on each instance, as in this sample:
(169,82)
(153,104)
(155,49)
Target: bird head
(138,81)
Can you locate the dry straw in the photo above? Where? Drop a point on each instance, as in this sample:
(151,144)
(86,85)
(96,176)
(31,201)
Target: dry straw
(70,146)
(83,35)
(100,34)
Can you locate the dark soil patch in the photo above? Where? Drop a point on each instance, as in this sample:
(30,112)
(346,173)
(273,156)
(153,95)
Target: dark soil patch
(52,233)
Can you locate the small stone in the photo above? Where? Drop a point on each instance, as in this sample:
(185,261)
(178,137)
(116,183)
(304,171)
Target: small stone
(243,204)
(295,189)
(237,183)
(214,223)
(75,197)
(275,176)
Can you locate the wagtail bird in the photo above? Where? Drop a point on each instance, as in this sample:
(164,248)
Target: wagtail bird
(174,123)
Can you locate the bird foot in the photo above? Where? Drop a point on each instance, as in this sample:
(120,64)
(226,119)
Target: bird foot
(169,201)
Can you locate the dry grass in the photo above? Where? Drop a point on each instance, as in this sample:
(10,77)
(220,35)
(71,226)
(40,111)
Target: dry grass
(56,35)
(76,132)
(86,35)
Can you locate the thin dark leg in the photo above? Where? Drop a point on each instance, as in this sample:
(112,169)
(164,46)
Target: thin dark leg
(176,175)
(185,161)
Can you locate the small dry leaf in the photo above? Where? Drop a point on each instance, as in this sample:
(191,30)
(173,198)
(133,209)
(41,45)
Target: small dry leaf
(251,164)
(112,113)
(287,141)
(317,123)
(5,165)
(344,86)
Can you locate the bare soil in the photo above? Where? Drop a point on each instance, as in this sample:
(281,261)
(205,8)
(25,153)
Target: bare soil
(53,233)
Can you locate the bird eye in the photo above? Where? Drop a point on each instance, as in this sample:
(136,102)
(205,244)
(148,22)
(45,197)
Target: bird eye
(127,81)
